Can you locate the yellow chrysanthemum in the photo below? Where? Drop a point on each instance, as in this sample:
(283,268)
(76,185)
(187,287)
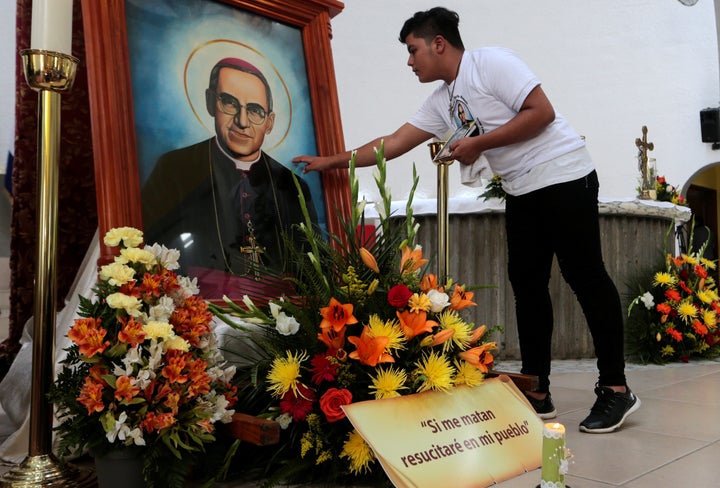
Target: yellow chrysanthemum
(708,263)
(710,319)
(705,296)
(419,302)
(667,351)
(686,310)
(390,329)
(435,372)
(158,330)
(388,382)
(450,319)
(467,374)
(284,373)
(663,279)
(358,453)
(690,259)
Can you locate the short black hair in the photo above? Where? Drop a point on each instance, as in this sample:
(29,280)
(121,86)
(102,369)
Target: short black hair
(430,23)
(240,65)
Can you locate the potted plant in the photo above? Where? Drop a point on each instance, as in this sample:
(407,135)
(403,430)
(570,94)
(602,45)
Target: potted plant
(144,371)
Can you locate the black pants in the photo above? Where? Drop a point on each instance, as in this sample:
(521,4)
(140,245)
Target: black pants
(562,220)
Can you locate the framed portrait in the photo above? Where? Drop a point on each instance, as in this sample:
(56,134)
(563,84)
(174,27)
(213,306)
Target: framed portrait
(152,98)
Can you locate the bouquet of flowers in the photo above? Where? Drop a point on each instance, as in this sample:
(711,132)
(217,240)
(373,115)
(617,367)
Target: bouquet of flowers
(368,322)
(144,368)
(675,317)
(668,193)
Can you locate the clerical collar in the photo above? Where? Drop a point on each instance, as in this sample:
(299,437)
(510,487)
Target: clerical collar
(240,165)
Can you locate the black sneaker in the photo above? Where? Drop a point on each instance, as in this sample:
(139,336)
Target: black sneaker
(610,410)
(543,408)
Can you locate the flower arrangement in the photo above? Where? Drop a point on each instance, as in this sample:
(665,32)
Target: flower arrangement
(494,189)
(675,317)
(143,368)
(368,322)
(665,192)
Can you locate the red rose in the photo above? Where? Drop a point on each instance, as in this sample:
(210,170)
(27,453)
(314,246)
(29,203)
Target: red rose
(331,402)
(399,295)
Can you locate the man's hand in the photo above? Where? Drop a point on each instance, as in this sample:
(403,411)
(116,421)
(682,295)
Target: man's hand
(466,150)
(313,163)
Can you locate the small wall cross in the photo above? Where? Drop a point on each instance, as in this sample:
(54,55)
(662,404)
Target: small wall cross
(644,146)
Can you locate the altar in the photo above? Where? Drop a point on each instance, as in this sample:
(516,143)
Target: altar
(634,234)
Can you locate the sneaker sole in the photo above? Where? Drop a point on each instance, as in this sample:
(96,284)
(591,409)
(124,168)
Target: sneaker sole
(615,427)
(547,415)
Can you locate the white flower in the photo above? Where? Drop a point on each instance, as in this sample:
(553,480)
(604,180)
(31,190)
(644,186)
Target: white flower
(563,470)
(286,324)
(144,378)
(189,287)
(135,255)
(156,352)
(168,258)
(118,429)
(648,300)
(162,311)
(284,420)
(176,342)
(129,236)
(438,300)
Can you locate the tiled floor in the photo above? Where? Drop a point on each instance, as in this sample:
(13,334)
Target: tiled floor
(672,441)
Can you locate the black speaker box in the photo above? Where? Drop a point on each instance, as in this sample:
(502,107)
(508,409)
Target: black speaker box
(710,124)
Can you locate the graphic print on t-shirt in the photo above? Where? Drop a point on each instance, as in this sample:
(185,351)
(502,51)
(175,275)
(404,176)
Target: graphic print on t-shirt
(462,115)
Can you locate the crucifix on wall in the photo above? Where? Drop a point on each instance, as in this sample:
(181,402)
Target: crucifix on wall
(648,175)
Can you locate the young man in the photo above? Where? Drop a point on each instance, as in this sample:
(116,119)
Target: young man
(552,196)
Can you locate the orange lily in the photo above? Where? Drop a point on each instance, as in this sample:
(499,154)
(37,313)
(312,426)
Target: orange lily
(442,337)
(370,350)
(480,357)
(331,338)
(337,315)
(477,334)
(369,260)
(411,260)
(461,299)
(429,282)
(415,323)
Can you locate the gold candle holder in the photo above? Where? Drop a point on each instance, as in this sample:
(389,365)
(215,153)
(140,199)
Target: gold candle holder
(48,73)
(443,237)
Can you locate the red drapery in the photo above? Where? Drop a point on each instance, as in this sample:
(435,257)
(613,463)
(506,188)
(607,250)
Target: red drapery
(77,208)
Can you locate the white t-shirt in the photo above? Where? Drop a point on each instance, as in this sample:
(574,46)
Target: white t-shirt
(491,86)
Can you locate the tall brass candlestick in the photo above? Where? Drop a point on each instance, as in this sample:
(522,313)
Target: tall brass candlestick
(443,237)
(49,73)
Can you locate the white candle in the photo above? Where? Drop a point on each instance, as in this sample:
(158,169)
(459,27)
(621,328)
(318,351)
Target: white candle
(52,25)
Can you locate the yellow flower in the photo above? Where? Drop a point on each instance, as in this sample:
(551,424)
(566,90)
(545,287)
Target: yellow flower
(390,329)
(710,264)
(435,372)
(663,279)
(450,319)
(117,274)
(419,302)
(667,351)
(158,330)
(358,453)
(705,296)
(131,305)
(710,318)
(690,259)
(467,374)
(129,236)
(387,383)
(687,310)
(177,343)
(135,255)
(284,373)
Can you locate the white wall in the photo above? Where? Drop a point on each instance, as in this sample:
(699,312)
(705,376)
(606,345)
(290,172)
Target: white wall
(609,66)
(8,56)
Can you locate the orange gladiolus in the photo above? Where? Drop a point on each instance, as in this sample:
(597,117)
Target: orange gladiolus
(480,357)
(461,299)
(415,323)
(369,259)
(411,260)
(337,315)
(370,350)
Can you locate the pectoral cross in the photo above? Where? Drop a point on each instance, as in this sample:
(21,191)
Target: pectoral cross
(644,146)
(253,249)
